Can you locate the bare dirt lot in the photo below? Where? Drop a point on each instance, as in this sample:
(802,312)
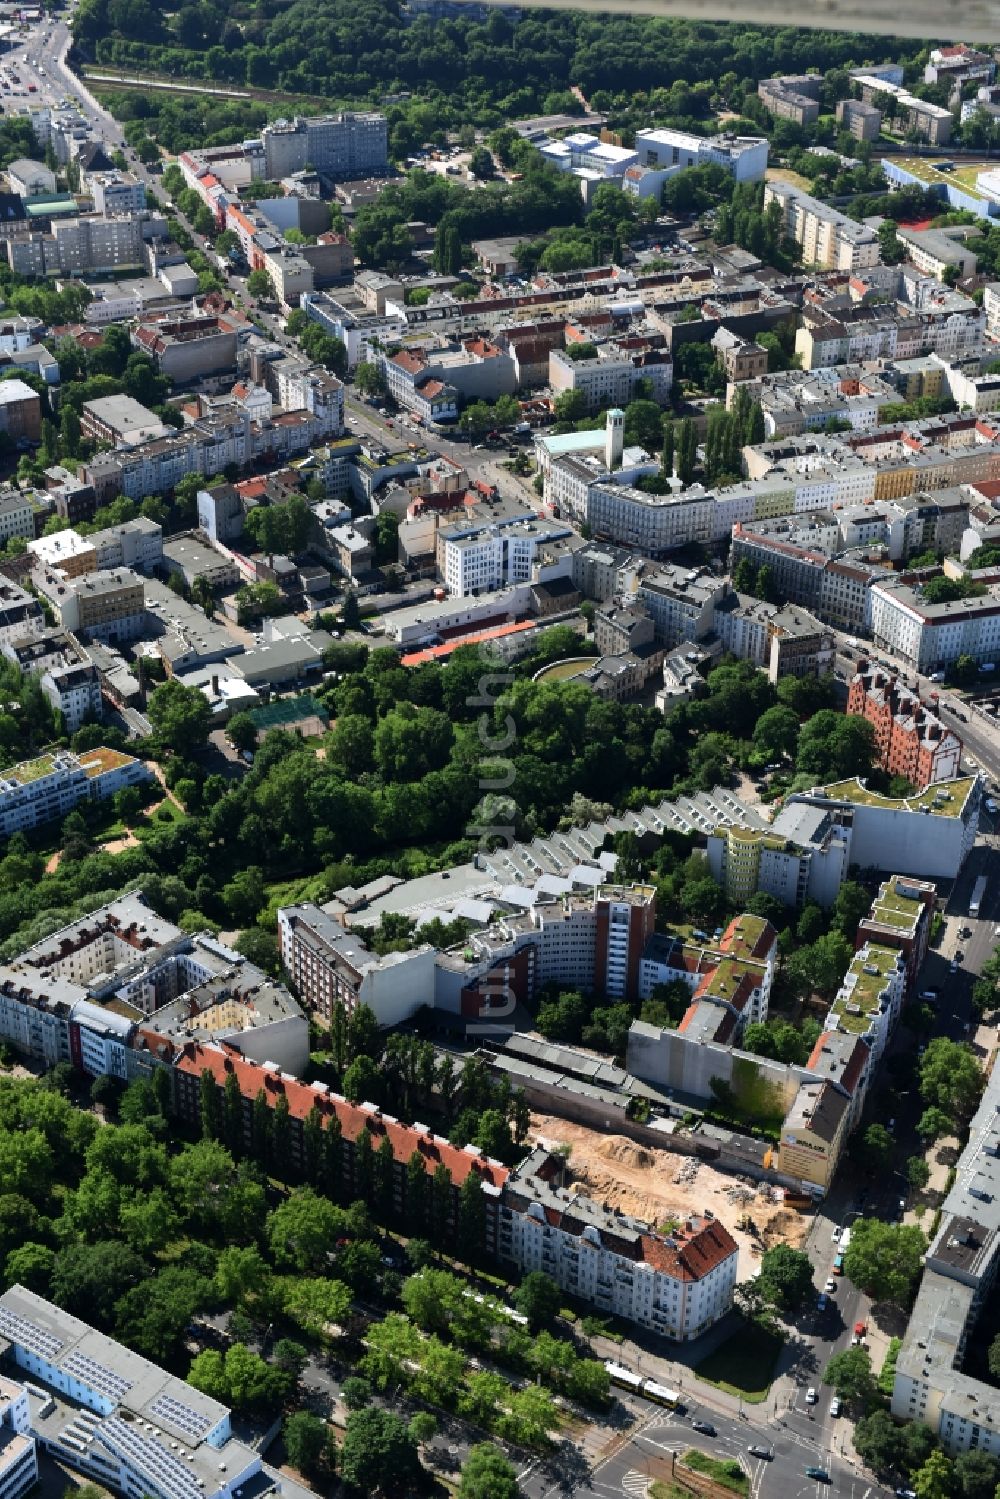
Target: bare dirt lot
(659,1186)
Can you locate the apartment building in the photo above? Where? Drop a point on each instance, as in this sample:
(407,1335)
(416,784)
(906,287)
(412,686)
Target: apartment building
(909,115)
(936,252)
(188,348)
(135,544)
(348,145)
(330,964)
(74,690)
(18,1452)
(45,789)
(88,245)
(928,835)
(20,413)
(901,917)
(829,239)
(476,370)
(116,193)
(932,1383)
(17,514)
(341,1125)
(680,601)
(870,998)
(588,941)
(107,606)
(114,1417)
(21,615)
(119,420)
(803,857)
(208,446)
(861,120)
(813,1135)
(931,637)
(794,97)
(798,645)
(675,1284)
(477,558)
(740,358)
(611,376)
(911,739)
(30,179)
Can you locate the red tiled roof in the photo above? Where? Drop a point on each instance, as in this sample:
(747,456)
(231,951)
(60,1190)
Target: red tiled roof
(691,1254)
(221,1060)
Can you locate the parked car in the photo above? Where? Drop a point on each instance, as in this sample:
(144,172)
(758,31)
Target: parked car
(831,1286)
(811,1396)
(834,1406)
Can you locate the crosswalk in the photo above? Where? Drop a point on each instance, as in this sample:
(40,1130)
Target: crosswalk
(636,1484)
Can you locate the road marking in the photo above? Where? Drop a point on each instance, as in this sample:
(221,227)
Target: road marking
(636,1484)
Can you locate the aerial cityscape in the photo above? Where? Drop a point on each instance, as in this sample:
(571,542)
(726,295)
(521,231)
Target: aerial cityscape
(499,751)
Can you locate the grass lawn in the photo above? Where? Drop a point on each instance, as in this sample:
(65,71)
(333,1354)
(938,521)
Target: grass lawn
(724,1470)
(660,1489)
(744,1364)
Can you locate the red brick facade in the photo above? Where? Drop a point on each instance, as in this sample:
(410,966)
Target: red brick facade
(911,739)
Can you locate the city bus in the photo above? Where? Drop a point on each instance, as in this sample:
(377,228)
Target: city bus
(660,1394)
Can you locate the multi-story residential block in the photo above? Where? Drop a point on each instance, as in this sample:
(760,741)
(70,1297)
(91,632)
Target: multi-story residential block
(741,358)
(863,121)
(794,97)
(473,557)
(116,193)
(107,606)
(932,636)
(30,179)
(937,251)
(74,690)
(869,1000)
(813,1134)
(316,1102)
(803,857)
(439,378)
(680,601)
(20,411)
(829,239)
(348,145)
(65,552)
(362,332)
(136,544)
(798,645)
(928,835)
(931,122)
(87,245)
(901,917)
(933,1384)
(911,739)
(21,615)
(611,376)
(208,446)
(328,963)
(188,348)
(676,1285)
(958,65)
(114,1417)
(17,514)
(588,156)
(41,790)
(120,421)
(18,1452)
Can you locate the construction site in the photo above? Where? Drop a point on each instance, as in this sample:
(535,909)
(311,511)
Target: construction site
(661,1187)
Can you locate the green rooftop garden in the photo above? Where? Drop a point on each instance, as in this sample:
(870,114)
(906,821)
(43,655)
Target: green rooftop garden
(867,989)
(946,798)
(30,770)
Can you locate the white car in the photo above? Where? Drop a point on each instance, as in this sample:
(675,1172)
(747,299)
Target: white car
(834,1406)
(811,1396)
(830,1287)
(835,1235)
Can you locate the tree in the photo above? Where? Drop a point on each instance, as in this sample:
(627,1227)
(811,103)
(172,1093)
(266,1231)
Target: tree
(785,1278)
(241,732)
(850,1374)
(306,1442)
(378,1454)
(368,378)
(356,1392)
(89,1279)
(303,1229)
(471,1217)
(918,1173)
(884,1259)
(879,1443)
(259,284)
(486,1474)
(317,1304)
(975,1475)
(538,1298)
(950,1077)
(180,716)
(933,1479)
(934,1123)
(775,735)
(877,1147)
(834,746)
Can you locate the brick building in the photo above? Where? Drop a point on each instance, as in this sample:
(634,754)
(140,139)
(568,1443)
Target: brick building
(912,741)
(316,1103)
